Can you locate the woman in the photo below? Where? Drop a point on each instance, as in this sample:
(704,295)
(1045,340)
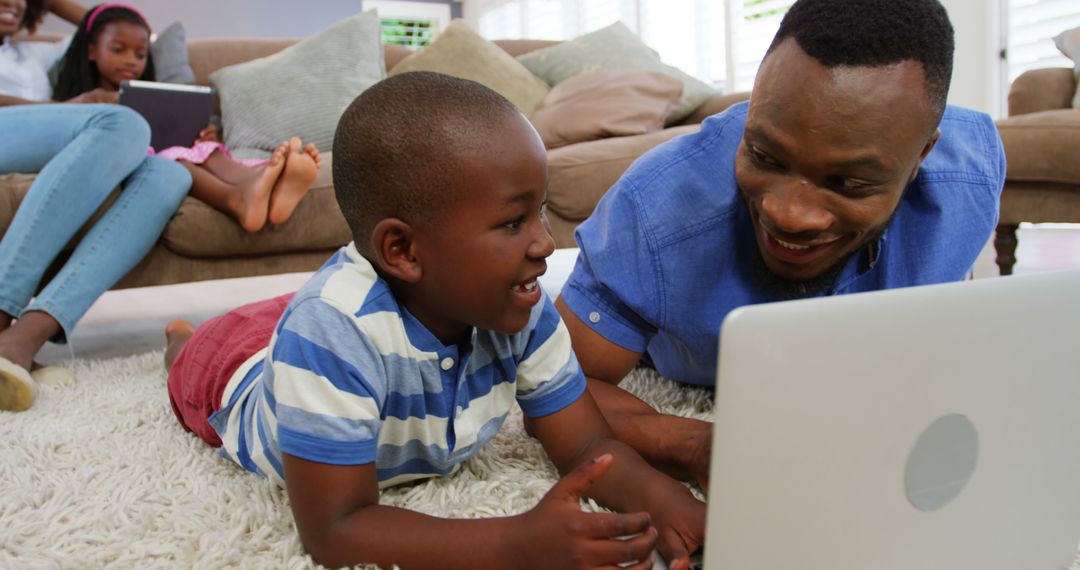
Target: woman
(81,152)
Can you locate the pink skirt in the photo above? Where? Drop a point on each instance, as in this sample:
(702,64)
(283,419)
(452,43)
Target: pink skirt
(202,151)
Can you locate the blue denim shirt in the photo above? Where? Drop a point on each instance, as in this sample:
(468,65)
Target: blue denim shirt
(670,249)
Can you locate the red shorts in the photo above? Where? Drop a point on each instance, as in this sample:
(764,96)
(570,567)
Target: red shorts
(207,361)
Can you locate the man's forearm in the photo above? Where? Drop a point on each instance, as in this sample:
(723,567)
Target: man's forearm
(679,446)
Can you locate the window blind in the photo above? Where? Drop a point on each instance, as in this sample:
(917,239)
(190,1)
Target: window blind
(1032,25)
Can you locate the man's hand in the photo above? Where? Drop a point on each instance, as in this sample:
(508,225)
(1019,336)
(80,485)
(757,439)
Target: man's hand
(557,534)
(97,95)
(209,134)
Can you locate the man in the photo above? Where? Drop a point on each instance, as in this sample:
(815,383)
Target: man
(845,172)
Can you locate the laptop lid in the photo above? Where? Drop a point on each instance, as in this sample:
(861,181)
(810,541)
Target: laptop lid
(176,113)
(925,428)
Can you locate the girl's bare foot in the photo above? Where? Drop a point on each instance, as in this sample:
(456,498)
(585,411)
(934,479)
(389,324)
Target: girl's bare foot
(253,199)
(177,333)
(300,170)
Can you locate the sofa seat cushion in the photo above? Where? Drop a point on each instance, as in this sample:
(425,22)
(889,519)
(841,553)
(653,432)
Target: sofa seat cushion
(580,174)
(198,230)
(13,188)
(1042,147)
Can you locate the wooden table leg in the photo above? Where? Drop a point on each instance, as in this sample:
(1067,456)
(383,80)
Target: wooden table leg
(1005,246)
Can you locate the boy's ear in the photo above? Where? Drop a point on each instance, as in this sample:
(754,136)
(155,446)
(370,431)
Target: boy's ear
(394,246)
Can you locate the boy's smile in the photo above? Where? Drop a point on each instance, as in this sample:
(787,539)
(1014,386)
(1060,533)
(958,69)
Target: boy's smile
(482,255)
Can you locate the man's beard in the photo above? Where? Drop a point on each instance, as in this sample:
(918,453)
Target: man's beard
(793,289)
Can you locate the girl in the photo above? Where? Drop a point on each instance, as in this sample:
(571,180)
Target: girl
(111,45)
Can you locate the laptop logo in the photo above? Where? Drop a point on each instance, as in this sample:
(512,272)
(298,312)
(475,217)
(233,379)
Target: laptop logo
(942,462)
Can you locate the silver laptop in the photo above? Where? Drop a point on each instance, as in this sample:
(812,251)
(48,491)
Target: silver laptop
(925,428)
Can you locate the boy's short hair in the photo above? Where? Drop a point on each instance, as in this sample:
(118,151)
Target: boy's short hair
(399,147)
(876,33)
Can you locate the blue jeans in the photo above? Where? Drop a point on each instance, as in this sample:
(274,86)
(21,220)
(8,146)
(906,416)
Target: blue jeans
(81,154)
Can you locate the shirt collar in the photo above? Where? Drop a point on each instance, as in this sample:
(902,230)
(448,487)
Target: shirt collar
(860,264)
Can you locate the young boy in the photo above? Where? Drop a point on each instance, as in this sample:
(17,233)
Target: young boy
(404,353)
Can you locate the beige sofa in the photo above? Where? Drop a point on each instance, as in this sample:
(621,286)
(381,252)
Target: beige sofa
(202,243)
(1041,138)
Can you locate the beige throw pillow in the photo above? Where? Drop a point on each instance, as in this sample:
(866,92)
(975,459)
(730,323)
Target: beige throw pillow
(461,52)
(1069,44)
(606,104)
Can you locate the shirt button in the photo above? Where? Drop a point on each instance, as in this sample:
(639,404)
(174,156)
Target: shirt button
(447,363)
(594,317)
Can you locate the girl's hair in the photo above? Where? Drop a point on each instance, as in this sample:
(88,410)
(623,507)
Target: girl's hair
(35,11)
(77,73)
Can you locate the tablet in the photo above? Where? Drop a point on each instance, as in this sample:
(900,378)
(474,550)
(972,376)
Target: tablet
(176,113)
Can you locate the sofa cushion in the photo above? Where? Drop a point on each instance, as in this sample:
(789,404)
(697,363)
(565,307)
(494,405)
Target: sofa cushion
(592,106)
(612,48)
(301,90)
(1042,147)
(1069,44)
(13,188)
(171,56)
(580,174)
(198,230)
(461,52)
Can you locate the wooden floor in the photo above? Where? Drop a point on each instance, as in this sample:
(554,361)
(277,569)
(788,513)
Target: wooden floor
(1040,247)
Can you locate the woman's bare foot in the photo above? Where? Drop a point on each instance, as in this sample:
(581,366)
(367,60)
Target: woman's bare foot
(177,333)
(253,198)
(300,170)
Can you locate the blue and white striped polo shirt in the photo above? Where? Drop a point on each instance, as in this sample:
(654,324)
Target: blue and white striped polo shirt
(352,377)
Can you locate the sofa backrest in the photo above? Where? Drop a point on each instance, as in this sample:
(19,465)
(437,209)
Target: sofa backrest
(209,55)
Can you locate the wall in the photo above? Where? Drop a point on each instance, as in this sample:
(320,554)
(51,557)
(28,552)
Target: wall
(978,79)
(241,18)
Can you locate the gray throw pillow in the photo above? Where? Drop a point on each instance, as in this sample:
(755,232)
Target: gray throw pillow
(302,90)
(607,49)
(170,54)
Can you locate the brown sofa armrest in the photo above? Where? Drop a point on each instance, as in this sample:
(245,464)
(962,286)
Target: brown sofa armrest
(714,105)
(1042,90)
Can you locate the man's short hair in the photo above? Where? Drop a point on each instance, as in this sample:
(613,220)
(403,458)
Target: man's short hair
(876,33)
(399,147)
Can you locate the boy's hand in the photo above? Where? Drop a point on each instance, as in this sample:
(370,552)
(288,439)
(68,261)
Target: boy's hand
(209,134)
(557,534)
(97,95)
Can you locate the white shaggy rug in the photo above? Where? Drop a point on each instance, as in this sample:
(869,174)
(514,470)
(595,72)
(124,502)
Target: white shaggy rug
(99,474)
